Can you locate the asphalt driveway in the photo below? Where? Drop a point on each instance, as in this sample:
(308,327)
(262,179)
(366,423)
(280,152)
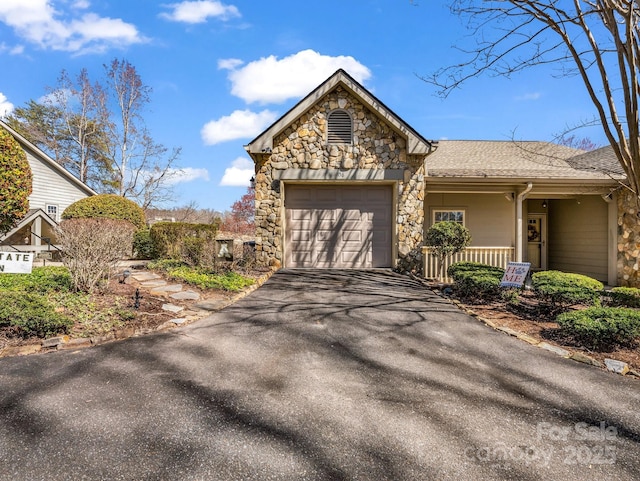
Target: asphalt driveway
(318,375)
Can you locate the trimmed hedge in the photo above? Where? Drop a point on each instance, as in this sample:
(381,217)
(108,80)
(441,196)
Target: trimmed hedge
(601,327)
(625,296)
(106,206)
(475,281)
(191,243)
(560,290)
(143,245)
(460,267)
(31,315)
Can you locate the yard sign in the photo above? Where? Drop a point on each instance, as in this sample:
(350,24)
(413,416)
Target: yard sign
(515,274)
(16,262)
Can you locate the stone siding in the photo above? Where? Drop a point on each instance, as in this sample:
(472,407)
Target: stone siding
(375,146)
(628,240)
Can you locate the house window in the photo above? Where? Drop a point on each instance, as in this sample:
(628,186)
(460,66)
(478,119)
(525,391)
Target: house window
(339,129)
(453,215)
(52,211)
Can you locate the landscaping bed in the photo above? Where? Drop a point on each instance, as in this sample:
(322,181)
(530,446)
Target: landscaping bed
(52,311)
(539,326)
(570,311)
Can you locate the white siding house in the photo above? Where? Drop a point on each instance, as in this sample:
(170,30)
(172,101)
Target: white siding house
(54,189)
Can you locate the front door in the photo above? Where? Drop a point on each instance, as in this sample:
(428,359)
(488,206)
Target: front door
(537,241)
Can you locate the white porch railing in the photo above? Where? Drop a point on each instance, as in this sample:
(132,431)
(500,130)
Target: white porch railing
(493,256)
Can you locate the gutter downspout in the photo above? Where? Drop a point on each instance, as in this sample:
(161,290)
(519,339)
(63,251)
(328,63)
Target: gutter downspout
(519,224)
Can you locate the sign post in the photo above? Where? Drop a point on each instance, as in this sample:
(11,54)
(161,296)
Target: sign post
(515,274)
(16,262)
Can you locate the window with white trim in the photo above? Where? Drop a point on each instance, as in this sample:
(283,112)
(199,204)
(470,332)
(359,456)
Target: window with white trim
(52,211)
(452,215)
(339,127)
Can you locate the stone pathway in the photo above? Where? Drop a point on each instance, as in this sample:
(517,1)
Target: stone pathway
(155,285)
(181,301)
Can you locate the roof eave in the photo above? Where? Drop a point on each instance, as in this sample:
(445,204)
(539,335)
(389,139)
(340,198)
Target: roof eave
(48,160)
(416,144)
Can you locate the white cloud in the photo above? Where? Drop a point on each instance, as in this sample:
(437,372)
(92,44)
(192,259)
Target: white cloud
(81,4)
(37,22)
(273,80)
(200,11)
(239,174)
(186,174)
(229,63)
(6,107)
(239,125)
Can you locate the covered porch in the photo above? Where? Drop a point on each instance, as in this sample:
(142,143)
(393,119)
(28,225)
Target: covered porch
(564,226)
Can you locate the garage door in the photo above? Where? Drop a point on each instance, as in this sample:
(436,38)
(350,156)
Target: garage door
(338,226)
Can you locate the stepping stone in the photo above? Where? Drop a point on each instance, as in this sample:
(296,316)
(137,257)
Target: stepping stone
(152,284)
(145,276)
(169,288)
(172,308)
(180,320)
(185,296)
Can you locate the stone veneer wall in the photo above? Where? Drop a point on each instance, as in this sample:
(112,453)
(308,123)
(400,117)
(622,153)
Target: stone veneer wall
(375,146)
(628,240)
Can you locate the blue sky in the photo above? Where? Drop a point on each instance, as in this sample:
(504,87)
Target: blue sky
(222,72)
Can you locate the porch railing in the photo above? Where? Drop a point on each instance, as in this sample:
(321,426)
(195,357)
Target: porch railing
(494,256)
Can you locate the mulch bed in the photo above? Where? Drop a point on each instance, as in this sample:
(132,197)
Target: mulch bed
(529,318)
(149,315)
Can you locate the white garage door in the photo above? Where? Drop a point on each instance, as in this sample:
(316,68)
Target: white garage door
(338,226)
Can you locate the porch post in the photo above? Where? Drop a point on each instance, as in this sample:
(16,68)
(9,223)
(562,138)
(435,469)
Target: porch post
(612,238)
(36,229)
(519,223)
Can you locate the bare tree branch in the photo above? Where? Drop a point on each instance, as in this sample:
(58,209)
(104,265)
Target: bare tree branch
(596,40)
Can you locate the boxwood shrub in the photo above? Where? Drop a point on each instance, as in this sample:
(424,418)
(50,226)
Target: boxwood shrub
(41,280)
(624,296)
(559,290)
(601,327)
(31,315)
(106,206)
(476,282)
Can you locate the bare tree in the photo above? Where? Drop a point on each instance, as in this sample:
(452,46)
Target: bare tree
(84,116)
(142,167)
(597,40)
(97,131)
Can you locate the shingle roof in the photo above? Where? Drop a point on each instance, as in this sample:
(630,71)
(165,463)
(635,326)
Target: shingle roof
(507,159)
(602,160)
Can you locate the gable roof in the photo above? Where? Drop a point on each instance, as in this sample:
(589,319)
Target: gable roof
(508,159)
(32,214)
(45,159)
(416,144)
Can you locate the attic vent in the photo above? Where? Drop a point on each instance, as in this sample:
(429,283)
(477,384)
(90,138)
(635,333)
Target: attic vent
(339,127)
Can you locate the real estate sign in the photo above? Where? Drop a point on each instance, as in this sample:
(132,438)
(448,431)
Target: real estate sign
(515,274)
(16,262)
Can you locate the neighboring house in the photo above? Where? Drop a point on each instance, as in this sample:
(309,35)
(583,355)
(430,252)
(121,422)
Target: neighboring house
(53,190)
(342,181)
